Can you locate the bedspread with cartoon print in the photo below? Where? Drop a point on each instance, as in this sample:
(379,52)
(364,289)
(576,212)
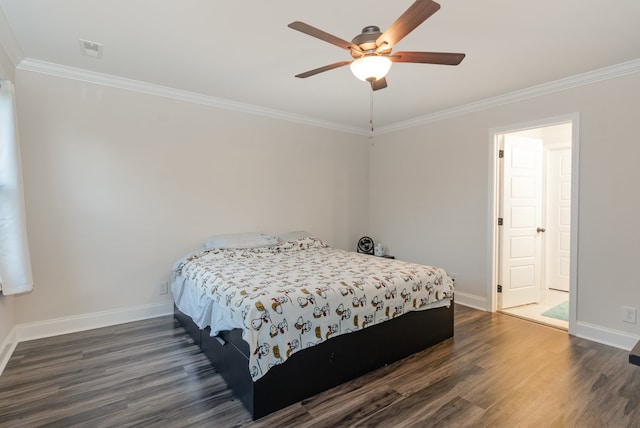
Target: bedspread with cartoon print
(300,293)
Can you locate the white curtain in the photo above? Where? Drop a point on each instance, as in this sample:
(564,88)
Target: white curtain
(15,263)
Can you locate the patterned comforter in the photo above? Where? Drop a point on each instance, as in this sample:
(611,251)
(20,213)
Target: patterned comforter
(300,293)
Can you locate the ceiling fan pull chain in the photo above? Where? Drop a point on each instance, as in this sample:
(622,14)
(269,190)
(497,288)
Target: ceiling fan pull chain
(371,109)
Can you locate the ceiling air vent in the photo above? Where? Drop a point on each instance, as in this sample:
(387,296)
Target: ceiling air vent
(91,49)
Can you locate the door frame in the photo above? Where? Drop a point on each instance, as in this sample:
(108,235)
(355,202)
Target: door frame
(494,201)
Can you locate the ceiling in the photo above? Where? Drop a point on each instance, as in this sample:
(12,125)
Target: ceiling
(243,51)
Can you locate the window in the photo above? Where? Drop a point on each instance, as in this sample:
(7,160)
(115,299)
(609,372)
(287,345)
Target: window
(15,262)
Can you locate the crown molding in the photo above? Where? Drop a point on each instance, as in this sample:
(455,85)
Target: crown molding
(587,78)
(57,70)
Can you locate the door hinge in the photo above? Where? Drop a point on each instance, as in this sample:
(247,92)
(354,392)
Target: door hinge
(500,221)
(500,154)
(499,288)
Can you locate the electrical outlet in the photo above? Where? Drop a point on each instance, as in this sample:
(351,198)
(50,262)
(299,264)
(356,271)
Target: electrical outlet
(629,314)
(163,288)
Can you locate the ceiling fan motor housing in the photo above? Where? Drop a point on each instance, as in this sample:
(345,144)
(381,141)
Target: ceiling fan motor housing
(366,40)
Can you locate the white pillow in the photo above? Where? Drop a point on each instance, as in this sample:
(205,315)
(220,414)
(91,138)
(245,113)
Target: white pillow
(293,236)
(240,240)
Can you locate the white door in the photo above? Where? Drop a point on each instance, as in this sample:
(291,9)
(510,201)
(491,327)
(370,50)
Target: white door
(558,234)
(521,246)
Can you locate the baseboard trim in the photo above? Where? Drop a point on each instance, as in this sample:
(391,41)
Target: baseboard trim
(606,336)
(7,348)
(472,301)
(55,327)
(595,333)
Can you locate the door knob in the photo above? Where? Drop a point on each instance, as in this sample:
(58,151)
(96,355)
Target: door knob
(541,229)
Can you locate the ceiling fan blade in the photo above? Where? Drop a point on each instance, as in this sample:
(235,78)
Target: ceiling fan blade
(444,58)
(323,35)
(379,84)
(417,13)
(322,69)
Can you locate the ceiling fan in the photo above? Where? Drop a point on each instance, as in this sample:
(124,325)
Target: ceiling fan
(371,49)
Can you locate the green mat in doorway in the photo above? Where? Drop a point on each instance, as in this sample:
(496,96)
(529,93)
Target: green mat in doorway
(559,312)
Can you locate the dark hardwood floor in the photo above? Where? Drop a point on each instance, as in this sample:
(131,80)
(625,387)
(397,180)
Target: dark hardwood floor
(498,371)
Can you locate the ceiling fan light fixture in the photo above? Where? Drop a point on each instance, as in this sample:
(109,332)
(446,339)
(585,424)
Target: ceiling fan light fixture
(371,68)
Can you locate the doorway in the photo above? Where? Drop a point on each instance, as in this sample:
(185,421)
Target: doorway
(535,188)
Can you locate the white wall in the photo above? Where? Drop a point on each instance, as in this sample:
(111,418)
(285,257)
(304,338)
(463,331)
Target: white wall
(7,324)
(429,193)
(119,185)
(6,66)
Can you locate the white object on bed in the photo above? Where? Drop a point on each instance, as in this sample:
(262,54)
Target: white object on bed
(240,240)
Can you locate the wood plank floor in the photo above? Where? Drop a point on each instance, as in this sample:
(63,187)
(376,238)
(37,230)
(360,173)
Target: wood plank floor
(498,371)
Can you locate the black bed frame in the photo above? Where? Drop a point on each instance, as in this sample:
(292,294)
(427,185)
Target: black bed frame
(323,366)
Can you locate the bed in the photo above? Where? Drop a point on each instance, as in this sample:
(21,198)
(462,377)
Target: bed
(285,320)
